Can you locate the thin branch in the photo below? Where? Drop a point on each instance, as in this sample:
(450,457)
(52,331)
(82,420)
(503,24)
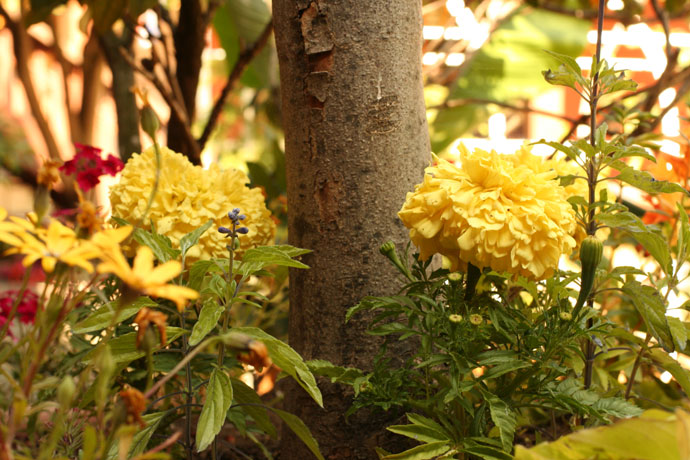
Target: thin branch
(21,54)
(177,109)
(451,103)
(242,62)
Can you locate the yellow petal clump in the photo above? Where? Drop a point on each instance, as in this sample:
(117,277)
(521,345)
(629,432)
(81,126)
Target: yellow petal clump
(187,197)
(491,211)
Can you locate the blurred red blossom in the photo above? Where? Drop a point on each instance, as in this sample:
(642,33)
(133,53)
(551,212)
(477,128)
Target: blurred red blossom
(26,310)
(87,165)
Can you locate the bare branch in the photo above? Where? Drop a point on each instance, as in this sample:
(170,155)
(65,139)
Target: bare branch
(242,62)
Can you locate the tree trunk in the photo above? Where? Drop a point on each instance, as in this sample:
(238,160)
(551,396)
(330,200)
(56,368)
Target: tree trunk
(356,141)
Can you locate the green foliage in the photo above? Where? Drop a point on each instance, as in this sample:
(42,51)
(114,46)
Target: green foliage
(656,435)
(216,405)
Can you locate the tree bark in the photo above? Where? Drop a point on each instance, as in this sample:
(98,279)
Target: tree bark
(356,141)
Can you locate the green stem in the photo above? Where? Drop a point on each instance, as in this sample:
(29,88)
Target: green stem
(636,366)
(156,180)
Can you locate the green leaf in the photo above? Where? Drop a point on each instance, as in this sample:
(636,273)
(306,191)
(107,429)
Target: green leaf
(159,244)
(646,182)
(683,235)
(199,269)
(653,436)
(617,407)
(677,371)
(569,64)
(257,258)
(250,403)
(421,429)
(423,452)
(337,374)
(504,418)
(90,442)
(561,77)
(192,238)
(301,430)
(142,437)
(218,401)
(651,307)
(678,332)
(569,151)
(286,359)
(124,349)
(654,243)
(103,317)
(208,318)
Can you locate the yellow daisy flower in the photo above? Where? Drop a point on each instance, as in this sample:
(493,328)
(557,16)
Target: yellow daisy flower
(50,245)
(143,277)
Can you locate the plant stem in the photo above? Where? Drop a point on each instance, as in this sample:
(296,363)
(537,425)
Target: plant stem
(592,173)
(636,366)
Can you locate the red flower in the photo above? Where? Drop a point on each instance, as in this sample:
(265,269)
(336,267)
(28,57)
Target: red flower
(88,166)
(26,310)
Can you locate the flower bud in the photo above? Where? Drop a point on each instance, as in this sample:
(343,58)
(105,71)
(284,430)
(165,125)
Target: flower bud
(591,252)
(476,319)
(565,315)
(149,121)
(65,392)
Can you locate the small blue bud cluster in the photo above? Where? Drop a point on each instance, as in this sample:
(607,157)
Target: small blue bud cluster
(235,218)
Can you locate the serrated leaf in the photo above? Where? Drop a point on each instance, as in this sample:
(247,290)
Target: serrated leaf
(679,373)
(216,405)
(423,452)
(678,332)
(646,182)
(301,430)
(103,317)
(617,407)
(250,403)
(286,359)
(504,418)
(159,244)
(208,318)
(650,306)
(652,242)
(192,238)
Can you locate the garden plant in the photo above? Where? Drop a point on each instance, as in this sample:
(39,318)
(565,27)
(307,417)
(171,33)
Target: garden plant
(151,334)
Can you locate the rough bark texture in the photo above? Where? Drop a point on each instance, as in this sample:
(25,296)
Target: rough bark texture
(356,142)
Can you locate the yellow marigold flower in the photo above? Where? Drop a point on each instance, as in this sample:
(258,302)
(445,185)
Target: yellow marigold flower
(491,212)
(143,278)
(578,187)
(187,198)
(50,245)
